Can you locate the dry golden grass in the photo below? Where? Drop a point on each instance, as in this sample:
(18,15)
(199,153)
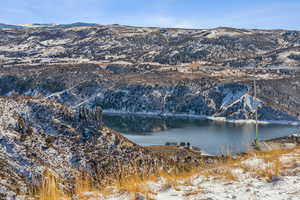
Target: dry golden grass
(49,189)
(134,184)
(273,166)
(84,187)
(219,173)
(137,184)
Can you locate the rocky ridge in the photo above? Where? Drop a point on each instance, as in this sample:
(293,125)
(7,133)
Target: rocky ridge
(222,46)
(38,135)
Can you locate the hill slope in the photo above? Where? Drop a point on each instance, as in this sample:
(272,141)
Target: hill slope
(134,69)
(38,135)
(210,47)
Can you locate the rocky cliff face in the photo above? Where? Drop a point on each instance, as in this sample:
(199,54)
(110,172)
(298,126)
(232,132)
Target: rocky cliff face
(162,94)
(232,101)
(36,135)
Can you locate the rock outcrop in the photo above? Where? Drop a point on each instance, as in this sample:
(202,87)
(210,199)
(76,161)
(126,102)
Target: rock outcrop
(38,135)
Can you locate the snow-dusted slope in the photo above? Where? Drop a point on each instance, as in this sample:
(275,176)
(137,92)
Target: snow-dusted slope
(36,135)
(230,101)
(272,175)
(96,43)
(168,71)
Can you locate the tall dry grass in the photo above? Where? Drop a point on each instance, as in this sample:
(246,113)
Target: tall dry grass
(49,189)
(134,183)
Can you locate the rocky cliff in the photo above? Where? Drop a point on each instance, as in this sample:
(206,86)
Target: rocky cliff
(160,93)
(38,135)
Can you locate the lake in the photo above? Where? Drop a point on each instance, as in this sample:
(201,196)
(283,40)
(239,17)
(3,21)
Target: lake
(213,137)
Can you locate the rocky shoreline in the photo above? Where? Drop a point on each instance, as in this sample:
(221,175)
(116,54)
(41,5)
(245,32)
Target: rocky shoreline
(191,116)
(293,139)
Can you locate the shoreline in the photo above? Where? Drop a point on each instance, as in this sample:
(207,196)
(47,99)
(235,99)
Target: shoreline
(203,117)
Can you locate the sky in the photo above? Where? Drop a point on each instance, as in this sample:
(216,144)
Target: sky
(261,14)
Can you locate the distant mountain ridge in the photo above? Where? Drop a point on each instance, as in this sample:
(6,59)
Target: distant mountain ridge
(9,26)
(225,47)
(16,26)
(77,24)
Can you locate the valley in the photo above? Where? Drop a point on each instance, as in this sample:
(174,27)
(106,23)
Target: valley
(56,81)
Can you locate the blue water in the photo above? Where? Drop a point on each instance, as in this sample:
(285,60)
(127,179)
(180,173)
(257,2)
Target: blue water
(211,136)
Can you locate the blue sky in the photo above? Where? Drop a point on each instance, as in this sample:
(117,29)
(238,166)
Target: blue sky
(267,14)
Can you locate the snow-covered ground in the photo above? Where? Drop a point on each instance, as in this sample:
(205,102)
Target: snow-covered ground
(286,187)
(248,189)
(249,184)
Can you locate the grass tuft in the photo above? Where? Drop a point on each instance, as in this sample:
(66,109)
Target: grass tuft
(49,189)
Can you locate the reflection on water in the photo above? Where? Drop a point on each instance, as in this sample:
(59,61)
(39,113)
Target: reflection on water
(211,136)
